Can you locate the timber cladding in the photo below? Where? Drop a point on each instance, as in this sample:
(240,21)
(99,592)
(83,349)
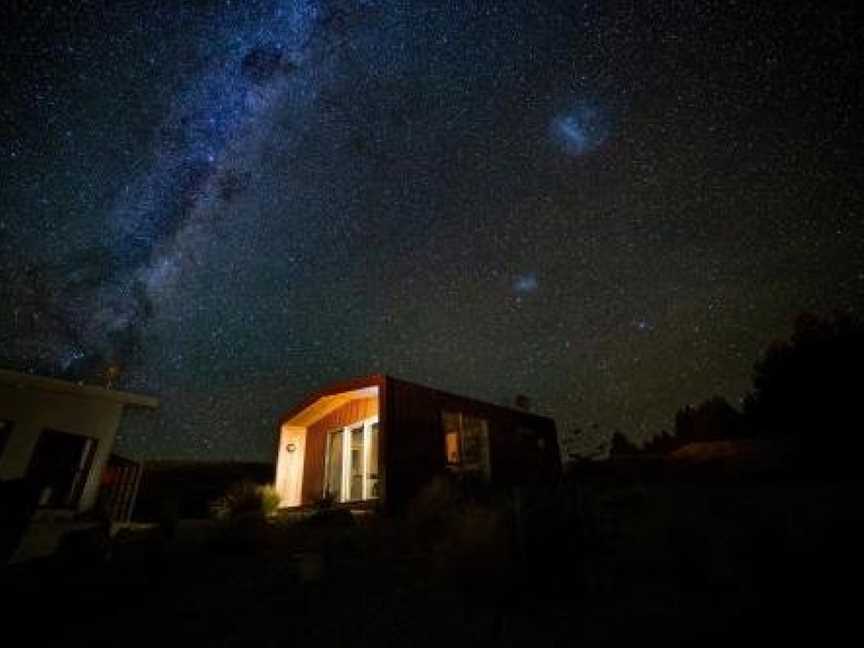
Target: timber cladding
(523,447)
(316,442)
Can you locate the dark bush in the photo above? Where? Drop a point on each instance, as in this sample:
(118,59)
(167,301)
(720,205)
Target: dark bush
(170,513)
(332,518)
(91,544)
(243,534)
(131,544)
(17,503)
(459,528)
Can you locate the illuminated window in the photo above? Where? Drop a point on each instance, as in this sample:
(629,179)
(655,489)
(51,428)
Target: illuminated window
(452,424)
(351,463)
(466,442)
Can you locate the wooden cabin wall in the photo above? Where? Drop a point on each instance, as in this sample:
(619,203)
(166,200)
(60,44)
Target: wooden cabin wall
(415,441)
(524,449)
(316,442)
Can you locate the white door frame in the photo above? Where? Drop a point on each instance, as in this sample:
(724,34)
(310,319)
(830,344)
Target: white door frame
(345,486)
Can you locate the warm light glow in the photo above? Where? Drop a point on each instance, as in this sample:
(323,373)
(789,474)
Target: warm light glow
(351,469)
(451,439)
(466,441)
(289,467)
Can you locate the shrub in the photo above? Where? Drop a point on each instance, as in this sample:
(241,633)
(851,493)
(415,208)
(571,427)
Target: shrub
(134,544)
(269,499)
(88,545)
(170,512)
(243,534)
(457,527)
(243,498)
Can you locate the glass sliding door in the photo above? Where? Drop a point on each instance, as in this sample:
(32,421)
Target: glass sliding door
(351,463)
(355,462)
(373,489)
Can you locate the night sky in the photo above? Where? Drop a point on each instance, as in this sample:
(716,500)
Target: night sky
(609,207)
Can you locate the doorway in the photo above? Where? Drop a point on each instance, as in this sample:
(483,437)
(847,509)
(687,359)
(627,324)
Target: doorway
(60,466)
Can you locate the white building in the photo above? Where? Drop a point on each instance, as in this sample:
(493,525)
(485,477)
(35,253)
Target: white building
(60,435)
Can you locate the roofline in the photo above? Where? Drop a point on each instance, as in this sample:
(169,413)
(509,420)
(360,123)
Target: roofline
(351,384)
(21,380)
(449,394)
(379,379)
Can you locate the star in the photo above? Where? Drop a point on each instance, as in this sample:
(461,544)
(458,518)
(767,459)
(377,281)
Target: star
(238,203)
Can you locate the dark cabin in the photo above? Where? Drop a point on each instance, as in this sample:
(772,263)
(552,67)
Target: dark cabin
(378,440)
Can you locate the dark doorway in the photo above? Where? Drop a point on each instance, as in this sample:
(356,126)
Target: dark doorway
(59,467)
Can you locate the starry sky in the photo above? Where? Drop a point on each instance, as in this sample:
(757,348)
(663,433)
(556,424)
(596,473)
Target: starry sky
(610,207)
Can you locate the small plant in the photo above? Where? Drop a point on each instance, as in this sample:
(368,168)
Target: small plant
(244,498)
(269,499)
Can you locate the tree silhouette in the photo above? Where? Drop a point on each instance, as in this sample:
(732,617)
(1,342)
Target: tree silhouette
(661,444)
(806,389)
(621,445)
(712,420)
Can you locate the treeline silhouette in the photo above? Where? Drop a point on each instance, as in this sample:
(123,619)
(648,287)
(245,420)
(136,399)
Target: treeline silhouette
(806,389)
(804,398)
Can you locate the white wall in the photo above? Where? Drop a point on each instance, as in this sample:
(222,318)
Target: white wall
(289,465)
(32,410)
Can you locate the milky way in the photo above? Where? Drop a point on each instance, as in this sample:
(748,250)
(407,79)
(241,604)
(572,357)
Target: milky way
(611,211)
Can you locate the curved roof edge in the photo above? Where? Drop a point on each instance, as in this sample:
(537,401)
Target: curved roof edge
(351,384)
(379,380)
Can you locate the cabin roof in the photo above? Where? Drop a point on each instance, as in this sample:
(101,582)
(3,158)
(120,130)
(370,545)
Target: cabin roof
(379,380)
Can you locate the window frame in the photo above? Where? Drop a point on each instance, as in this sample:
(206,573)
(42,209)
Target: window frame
(345,479)
(484,465)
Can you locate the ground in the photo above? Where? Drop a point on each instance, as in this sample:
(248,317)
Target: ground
(671,563)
